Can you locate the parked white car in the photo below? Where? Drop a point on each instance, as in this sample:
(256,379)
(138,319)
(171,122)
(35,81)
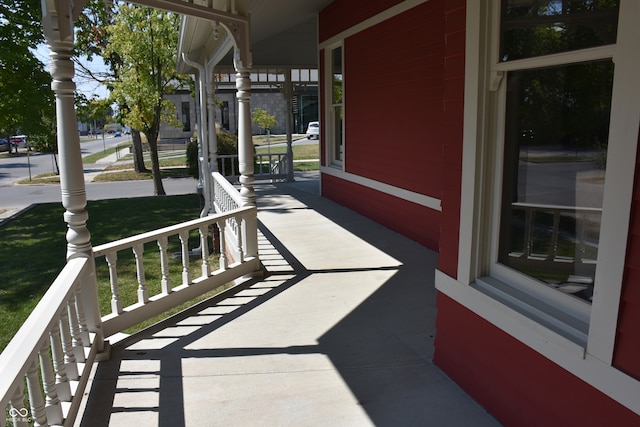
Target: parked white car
(313,130)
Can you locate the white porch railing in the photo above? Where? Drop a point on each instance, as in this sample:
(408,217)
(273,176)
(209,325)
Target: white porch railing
(268,166)
(543,235)
(52,354)
(171,296)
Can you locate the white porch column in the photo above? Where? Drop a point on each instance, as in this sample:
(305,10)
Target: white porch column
(203,145)
(287,92)
(245,151)
(211,107)
(57,20)
(72,186)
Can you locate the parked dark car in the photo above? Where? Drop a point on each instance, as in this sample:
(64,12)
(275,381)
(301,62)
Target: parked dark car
(4,145)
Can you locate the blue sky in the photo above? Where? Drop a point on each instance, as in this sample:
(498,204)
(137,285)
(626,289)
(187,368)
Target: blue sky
(86,86)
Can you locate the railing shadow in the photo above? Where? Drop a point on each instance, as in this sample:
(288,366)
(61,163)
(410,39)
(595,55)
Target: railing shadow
(381,347)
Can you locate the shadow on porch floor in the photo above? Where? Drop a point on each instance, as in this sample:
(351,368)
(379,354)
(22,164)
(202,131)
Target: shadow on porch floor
(339,332)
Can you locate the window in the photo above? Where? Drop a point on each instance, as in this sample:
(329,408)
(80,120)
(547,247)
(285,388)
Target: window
(555,138)
(186,117)
(533,28)
(555,151)
(335,140)
(552,101)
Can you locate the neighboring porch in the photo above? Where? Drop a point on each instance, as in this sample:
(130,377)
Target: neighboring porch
(339,332)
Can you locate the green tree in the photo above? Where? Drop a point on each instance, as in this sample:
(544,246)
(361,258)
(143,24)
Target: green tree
(146,41)
(92,39)
(263,119)
(47,141)
(24,84)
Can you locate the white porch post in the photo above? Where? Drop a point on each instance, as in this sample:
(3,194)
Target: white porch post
(72,186)
(288,95)
(203,144)
(57,20)
(211,108)
(245,151)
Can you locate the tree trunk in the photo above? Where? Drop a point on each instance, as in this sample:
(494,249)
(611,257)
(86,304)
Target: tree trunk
(138,158)
(158,187)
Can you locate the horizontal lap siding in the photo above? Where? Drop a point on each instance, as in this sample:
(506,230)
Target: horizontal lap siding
(627,350)
(343,14)
(409,219)
(393,100)
(514,383)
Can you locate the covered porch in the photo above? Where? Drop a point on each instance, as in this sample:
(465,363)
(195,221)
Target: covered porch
(339,332)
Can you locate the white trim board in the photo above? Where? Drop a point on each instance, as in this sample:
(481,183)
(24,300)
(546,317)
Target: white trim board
(569,356)
(370,22)
(400,193)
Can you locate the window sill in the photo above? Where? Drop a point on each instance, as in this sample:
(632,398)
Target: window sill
(574,329)
(539,330)
(528,321)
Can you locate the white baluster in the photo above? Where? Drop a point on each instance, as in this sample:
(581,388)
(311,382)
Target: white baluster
(224,263)
(112,262)
(62,381)
(70,363)
(184,240)
(74,323)
(554,235)
(143,293)
(52,406)
(35,396)
(204,244)
(240,222)
(82,322)
(19,414)
(164,264)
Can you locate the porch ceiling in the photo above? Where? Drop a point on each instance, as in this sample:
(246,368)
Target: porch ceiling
(283,33)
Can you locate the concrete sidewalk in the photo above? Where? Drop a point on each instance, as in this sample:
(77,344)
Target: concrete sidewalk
(340,332)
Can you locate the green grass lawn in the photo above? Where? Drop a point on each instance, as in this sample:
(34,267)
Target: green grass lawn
(34,247)
(300,152)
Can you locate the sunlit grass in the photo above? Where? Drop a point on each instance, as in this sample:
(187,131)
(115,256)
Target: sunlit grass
(34,250)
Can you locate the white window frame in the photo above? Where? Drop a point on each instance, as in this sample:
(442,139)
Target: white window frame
(483,121)
(329,124)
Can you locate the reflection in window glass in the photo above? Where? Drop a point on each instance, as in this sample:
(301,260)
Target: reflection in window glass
(337,75)
(337,120)
(337,103)
(540,27)
(556,132)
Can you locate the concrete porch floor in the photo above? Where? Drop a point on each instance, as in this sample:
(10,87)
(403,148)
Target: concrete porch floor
(340,333)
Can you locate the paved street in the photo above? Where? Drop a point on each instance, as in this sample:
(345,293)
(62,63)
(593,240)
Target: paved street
(14,198)
(16,168)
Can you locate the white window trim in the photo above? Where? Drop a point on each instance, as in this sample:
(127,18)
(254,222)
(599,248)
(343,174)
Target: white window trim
(328,125)
(593,363)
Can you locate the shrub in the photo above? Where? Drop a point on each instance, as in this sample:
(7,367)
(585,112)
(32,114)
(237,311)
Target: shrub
(227,144)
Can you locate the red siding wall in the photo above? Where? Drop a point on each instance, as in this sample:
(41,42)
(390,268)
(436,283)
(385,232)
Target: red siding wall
(394,213)
(627,350)
(393,100)
(404,84)
(341,15)
(518,386)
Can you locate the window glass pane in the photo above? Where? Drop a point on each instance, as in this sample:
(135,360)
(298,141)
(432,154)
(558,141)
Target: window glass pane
(337,129)
(337,75)
(541,27)
(556,131)
(186,117)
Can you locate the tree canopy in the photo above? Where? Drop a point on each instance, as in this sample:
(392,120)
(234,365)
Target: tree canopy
(145,41)
(25,85)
